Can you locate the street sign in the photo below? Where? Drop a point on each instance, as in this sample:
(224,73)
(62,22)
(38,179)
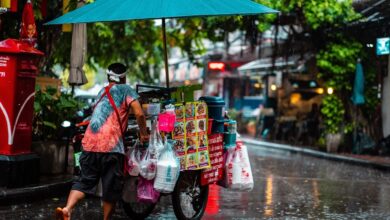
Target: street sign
(383,46)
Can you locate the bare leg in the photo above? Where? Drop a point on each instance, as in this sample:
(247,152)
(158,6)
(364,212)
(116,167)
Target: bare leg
(108,209)
(73,198)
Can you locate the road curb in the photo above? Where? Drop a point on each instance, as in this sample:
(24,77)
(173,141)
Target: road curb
(319,154)
(26,194)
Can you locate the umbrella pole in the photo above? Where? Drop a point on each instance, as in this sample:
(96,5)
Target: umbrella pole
(165,53)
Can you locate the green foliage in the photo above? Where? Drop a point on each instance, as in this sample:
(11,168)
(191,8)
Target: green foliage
(139,43)
(337,63)
(333,114)
(135,43)
(328,13)
(313,13)
(370,91)
(50,110)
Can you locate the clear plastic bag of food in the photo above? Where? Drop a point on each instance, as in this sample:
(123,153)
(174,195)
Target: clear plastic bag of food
(168,169)
(133,163)
(148,165)
(156,144)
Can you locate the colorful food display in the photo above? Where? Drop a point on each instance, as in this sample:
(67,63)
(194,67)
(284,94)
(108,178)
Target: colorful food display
(190,135)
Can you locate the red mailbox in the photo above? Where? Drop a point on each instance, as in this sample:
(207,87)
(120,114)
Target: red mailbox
(18,70)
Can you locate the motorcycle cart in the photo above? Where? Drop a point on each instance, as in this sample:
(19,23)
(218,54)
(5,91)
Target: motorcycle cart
(189,197)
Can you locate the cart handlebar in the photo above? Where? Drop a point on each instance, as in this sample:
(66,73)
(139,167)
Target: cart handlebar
(167,90)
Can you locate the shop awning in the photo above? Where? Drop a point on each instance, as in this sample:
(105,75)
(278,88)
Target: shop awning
(265,66)
(373,11)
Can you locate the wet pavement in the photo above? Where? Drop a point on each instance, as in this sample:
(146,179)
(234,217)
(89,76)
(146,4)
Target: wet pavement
(287,186)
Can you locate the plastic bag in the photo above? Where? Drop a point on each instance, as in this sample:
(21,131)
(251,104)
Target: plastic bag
(168,169)
(148,166)
(156,144)
(229,156)
(238,173)
(246,170)
(134,160)
(166,120)
(145,191)
(129,193)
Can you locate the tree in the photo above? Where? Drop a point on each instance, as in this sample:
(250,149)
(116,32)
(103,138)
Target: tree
(136,43)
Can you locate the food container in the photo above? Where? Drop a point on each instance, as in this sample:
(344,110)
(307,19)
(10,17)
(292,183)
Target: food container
(231,127)
(215,106)
(218,126)
(152,108)
(229,140)
(166,176)
(230,135)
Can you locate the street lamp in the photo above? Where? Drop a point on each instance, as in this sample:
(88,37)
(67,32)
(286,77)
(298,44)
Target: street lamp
(330,90)
(320,91)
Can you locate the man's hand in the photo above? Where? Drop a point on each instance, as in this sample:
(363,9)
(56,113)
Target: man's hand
(141,121)
(144,138)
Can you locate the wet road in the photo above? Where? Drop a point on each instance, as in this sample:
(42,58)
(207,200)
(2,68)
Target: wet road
(287,186)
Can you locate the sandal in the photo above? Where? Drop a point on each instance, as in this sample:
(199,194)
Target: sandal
(60,214)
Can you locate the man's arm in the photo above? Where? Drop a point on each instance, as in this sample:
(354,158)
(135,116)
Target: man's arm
(141,120)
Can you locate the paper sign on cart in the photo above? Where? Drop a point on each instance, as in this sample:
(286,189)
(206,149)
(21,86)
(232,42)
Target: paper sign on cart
(215,173)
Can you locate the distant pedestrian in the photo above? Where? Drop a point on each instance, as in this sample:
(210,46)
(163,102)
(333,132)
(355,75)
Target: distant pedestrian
(103,147)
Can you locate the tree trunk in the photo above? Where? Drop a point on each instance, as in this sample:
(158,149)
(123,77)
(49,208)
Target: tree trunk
(386,103)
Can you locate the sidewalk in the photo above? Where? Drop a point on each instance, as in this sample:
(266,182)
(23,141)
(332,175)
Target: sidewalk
(378,162)
(48,186)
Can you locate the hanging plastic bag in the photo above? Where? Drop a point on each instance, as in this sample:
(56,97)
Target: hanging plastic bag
(148,166)
(129,193)
(156,144)
(228,168)
(238,172)
(168,169)
(232,170)
(246,170)
(145,191)
(235,169)
(166,120)
(134,160)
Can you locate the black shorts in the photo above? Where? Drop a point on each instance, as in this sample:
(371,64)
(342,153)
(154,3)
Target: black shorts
(108,167)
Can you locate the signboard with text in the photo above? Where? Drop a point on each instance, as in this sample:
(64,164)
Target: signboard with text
(215,173)
(383,46)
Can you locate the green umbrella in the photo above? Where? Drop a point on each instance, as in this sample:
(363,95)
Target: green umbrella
(123,10)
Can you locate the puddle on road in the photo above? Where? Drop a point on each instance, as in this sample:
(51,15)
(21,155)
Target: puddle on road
(286,186)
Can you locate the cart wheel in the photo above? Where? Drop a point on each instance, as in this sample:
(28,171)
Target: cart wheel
(189,198)
(136,210)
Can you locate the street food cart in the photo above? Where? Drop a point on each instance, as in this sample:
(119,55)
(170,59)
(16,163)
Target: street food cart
(198,142)
(191,115)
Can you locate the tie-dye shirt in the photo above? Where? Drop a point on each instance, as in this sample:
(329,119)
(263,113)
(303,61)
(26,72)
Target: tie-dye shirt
(103,133)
